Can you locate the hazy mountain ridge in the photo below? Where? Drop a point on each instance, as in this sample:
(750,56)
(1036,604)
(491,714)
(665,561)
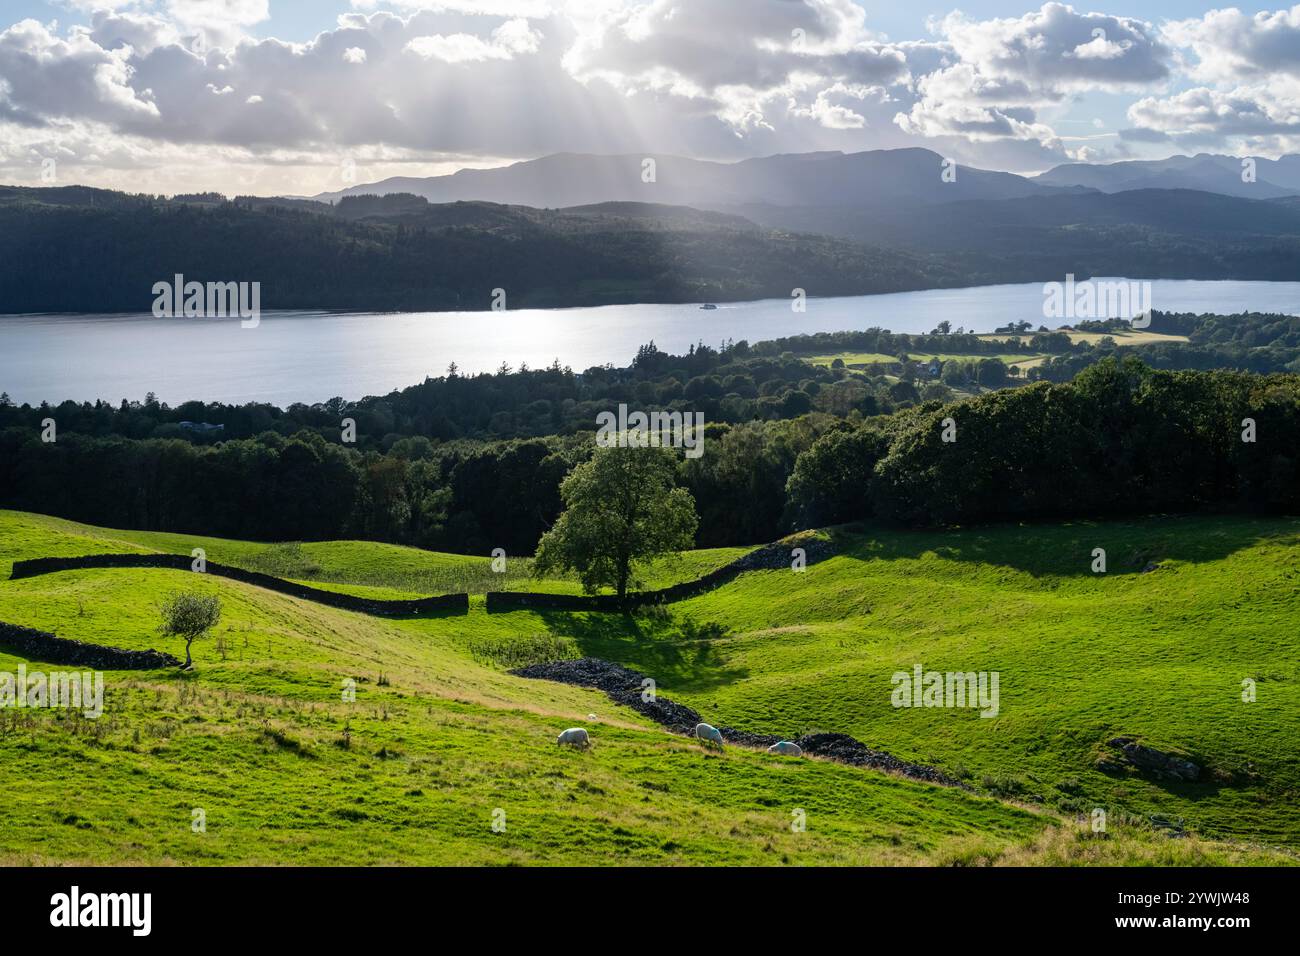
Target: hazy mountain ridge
(1148,234)
(1208,172)
(1201,221)
(574,179)
(883,177)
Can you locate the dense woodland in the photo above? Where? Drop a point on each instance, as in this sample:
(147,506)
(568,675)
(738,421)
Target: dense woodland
(1254,342)
(77,249)
(1139,234)
(1121,439)
(471,463)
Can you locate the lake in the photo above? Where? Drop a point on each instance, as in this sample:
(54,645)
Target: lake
(312,356)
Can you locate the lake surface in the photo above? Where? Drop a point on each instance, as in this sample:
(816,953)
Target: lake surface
(313,356)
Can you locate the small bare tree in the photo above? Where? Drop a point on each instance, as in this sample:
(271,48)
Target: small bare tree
(189,615)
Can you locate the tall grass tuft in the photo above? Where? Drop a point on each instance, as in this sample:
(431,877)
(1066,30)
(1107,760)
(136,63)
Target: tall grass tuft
(512,652)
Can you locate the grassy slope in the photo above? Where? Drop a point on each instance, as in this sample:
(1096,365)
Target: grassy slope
(1082,657)
(359,567)
(852,359)
(441,739)
(1138,337)
(862,359)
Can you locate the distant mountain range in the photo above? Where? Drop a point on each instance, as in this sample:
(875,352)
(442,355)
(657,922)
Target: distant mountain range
(1183,217)
(1207,172)
(885,177)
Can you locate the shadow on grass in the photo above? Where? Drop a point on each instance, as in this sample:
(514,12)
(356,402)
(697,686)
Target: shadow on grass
(437,614)
(1065,549)
(648,643)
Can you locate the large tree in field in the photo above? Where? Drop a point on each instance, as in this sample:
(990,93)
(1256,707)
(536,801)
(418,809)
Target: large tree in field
(622,508)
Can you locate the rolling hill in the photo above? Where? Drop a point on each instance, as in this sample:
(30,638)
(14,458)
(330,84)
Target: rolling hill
(401,253)
(1144,233)
(441,736)
(1181,218)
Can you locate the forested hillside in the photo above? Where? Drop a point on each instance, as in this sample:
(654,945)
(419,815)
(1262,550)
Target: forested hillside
(81,249)
(1142,234)
(84,250)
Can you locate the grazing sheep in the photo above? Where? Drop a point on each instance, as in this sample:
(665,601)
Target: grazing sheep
(574,737)
(787,748)
(709,734)
(592,717)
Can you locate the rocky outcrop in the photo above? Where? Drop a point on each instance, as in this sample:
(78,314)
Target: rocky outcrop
(625,686)
(45,647)
(1148,760)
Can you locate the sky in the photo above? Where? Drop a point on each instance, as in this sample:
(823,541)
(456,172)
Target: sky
(297,97)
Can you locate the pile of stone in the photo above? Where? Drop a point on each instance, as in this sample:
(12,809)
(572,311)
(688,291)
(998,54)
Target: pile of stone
(849,750)
(621,684)
(626,686)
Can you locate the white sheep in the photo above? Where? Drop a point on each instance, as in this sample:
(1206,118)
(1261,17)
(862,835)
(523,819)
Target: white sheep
(574,737)
(709,734)
(787,748)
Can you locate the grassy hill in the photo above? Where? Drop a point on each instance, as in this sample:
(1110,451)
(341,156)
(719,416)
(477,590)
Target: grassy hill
(358,567)
(441,736)
(1082,657)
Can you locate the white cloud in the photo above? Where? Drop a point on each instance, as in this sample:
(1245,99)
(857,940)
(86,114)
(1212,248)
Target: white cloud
(1003,71)
(535,9)
(748,62)
(45,77)
(1099,48)
(1046,47)
(1231,45)
(827,112)
(219,22)
(1270,109)
(512,38)
(1249,66)
(715,78)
